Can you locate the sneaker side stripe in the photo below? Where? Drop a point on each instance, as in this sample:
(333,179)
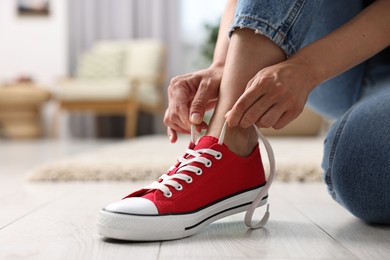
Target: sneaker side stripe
(221,212)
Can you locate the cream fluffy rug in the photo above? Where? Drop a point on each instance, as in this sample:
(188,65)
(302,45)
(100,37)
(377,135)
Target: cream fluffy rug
(146,158)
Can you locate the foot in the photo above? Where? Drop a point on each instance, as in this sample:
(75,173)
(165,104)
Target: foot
(208,183)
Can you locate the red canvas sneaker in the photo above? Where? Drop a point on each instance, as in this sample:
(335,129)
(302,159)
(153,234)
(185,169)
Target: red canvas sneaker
(208,183)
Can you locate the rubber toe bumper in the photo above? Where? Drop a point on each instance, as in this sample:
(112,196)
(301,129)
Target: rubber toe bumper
(134,205)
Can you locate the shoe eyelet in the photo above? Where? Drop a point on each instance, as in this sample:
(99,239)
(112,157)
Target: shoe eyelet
(208,164)
(199,172)
(168,195)
(218,156)
(180,187)
(189,180)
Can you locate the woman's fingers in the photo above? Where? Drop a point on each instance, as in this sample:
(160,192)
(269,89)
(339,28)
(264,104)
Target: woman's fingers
(246,100)
(273,98)
(172,135)
(252,104)
(271,116)
(177,119)
(189,97)
(200,103)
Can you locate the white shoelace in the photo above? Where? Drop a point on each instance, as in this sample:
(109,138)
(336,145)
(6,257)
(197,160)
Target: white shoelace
(184,166)
(169,180)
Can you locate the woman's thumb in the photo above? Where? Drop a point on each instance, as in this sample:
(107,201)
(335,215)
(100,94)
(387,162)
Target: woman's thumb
(197,110)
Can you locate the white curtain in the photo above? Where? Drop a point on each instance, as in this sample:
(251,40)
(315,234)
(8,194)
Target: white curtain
(93,20)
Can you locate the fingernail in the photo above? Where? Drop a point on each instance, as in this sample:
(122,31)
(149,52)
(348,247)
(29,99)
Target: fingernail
(196,118)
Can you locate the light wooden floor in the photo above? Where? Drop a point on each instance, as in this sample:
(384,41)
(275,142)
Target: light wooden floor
(57,221)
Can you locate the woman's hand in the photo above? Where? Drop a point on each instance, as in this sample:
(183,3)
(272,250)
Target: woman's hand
(277,94)
(189,97)
(274,97)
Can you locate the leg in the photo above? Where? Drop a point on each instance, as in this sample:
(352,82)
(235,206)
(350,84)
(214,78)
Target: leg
(275,32)
(131,118)
(356,152)
(357,155)
(54,130)
(248,53)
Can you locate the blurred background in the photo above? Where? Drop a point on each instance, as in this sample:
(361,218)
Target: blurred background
(97,68)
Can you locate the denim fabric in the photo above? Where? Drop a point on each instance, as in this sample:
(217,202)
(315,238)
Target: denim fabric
(356,158)
(334,97)
(284,22)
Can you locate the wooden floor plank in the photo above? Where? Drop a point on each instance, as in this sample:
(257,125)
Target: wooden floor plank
(19,198)
(65,229)
(57,221)
(364,241)
(288,235)
(23,199)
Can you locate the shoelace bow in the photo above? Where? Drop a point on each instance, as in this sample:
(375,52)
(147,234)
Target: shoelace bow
(195,156)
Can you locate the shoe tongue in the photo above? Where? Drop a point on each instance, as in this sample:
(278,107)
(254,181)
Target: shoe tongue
(205,142)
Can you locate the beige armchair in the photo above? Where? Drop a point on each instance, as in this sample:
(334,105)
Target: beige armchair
(116,77)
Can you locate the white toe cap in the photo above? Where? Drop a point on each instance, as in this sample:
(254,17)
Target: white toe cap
(133,206)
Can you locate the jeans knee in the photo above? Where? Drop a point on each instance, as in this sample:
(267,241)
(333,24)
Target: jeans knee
(362,199)
(357,168)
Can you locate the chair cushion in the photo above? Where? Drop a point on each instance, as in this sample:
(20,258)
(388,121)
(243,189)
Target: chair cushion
(93,89)
(106,70)
(107,90)
(144,58)
(101,64)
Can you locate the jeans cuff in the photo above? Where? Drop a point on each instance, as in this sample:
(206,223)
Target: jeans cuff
(283,22)
(263,28)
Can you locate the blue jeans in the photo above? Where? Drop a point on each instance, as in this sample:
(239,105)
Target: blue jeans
(356,160)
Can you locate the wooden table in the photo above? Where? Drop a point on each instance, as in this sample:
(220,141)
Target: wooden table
(20,110)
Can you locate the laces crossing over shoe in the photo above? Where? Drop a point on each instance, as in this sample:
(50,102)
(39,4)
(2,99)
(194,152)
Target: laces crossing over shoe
(208,183)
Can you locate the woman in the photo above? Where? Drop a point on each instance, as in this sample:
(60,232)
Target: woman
(264,77)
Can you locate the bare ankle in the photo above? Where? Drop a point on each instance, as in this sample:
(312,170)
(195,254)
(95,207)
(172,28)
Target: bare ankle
(241,141)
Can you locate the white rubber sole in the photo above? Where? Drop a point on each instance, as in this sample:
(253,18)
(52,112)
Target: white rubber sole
(168,227)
